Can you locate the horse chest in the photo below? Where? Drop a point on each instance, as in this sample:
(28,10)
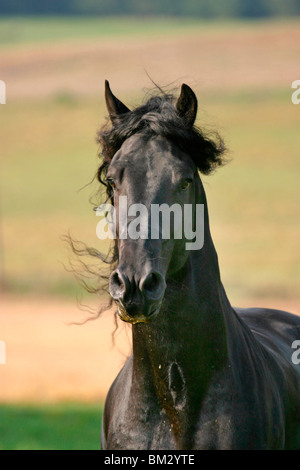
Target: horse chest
(146,419)
(142,427)
(166,416)
(146,425)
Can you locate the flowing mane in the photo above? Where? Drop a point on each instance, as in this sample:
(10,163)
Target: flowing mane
(160,117)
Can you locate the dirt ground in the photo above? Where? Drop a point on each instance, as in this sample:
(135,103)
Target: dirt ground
(49,359)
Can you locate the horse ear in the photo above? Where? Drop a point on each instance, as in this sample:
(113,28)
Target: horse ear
(114,106)
(187,105)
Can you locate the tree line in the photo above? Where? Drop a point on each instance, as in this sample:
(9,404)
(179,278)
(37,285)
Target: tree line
(177,8)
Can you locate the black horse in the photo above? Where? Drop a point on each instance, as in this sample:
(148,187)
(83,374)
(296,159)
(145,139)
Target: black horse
(202,374)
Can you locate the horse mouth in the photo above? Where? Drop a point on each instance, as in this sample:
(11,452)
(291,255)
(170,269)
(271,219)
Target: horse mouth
(124,315)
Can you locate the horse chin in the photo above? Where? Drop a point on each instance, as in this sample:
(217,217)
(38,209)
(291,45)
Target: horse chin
(124,315)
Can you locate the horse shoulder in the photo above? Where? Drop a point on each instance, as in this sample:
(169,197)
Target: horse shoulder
(275,331)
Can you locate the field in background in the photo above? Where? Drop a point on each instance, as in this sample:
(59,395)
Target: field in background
(55,72)
(242,74)
(24,31)
(27,31)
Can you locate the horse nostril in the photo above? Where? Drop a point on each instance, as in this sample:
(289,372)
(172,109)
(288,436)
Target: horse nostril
(150,283)
(153,286)
(117,285)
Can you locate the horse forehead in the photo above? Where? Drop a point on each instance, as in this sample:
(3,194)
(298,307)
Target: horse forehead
(140,148)
(155,156)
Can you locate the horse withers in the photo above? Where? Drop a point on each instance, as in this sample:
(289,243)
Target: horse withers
(202,374)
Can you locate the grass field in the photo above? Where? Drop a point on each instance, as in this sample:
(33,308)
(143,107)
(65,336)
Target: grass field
(20,31)
(55,71)
(24,31)
(50,427)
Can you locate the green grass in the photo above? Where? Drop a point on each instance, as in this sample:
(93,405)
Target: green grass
(50,427)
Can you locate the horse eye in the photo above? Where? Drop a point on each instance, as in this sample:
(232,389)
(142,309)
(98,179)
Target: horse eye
(185,184)
(110,182)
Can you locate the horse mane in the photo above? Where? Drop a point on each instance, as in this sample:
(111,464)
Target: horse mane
(159,117)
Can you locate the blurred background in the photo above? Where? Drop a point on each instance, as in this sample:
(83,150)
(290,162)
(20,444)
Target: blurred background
(240,57)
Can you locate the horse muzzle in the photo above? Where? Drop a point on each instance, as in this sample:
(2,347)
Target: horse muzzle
(138,302)
(138,317)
